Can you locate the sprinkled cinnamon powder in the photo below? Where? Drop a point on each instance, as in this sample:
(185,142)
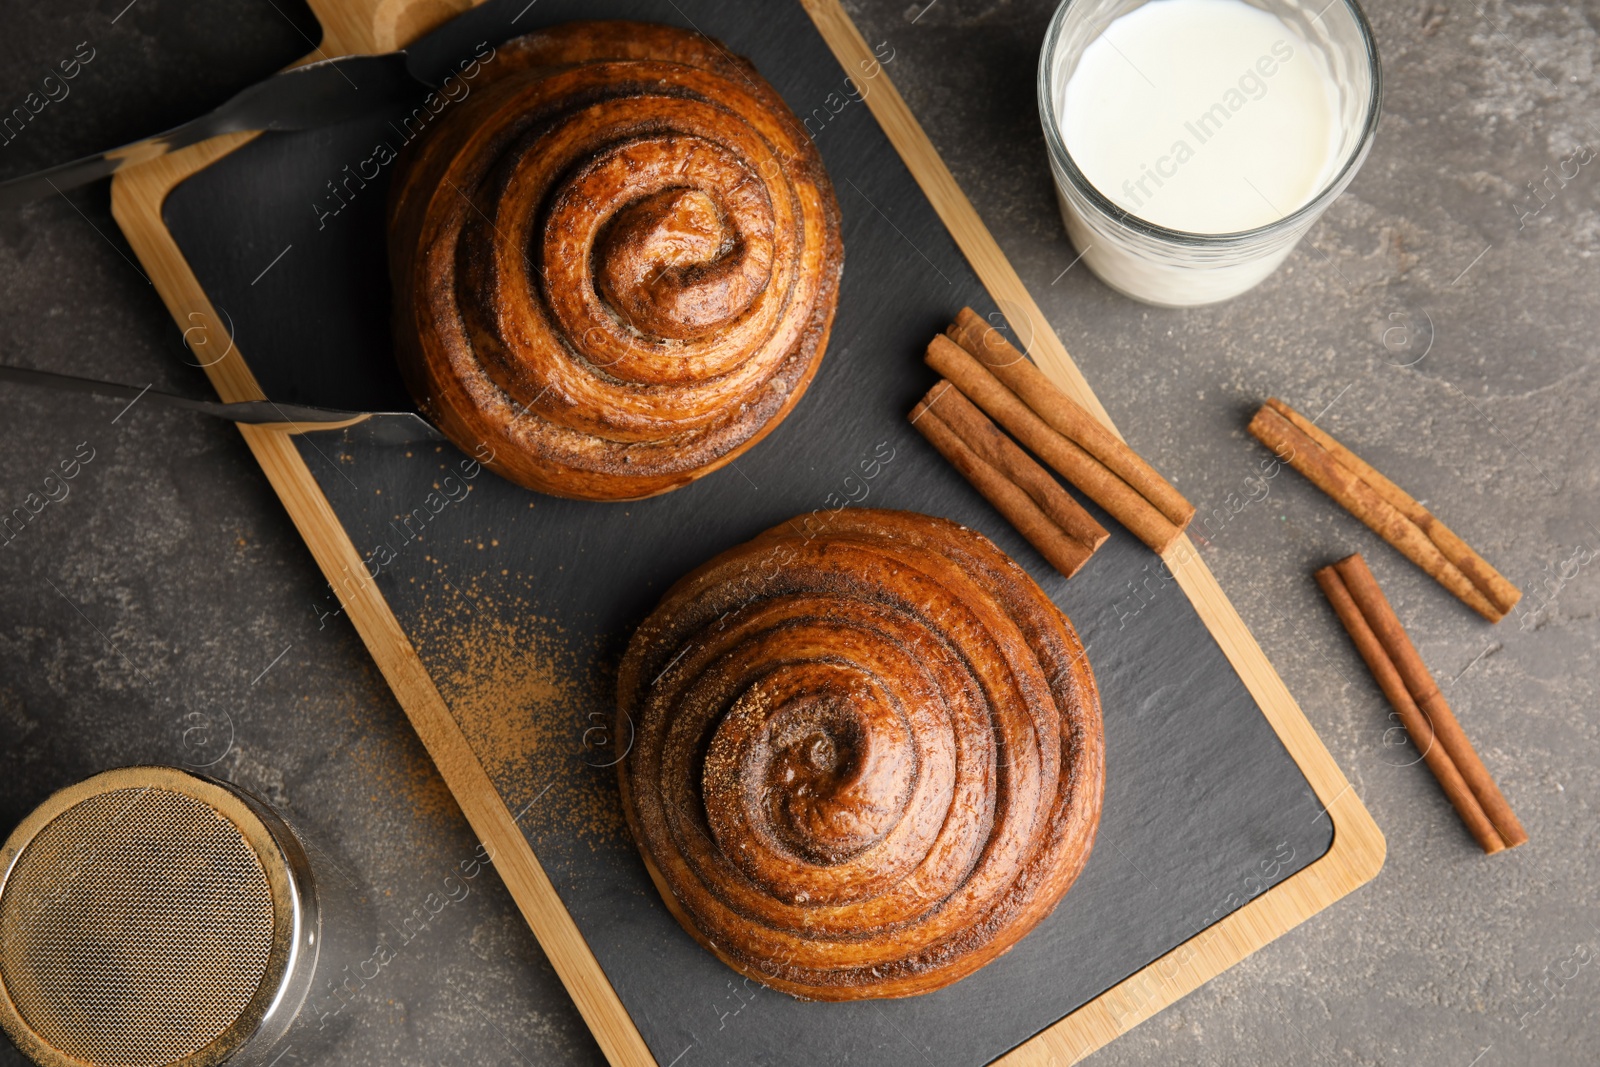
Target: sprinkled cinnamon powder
(535,702)
(401,774)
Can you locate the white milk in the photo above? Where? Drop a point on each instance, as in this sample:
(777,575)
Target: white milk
(1206,116)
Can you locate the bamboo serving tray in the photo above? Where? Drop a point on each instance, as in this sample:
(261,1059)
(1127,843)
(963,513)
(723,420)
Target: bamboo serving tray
(500,612)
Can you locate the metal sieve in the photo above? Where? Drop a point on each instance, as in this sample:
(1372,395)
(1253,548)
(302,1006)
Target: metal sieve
(151,917)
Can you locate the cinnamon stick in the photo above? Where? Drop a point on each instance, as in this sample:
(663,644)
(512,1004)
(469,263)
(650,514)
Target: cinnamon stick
(1065,415)
(1019,488)
(1061,454)
(1385,508)
(1351,491)
(998,450)
(1425,692)
(1488,581)
(1416,723)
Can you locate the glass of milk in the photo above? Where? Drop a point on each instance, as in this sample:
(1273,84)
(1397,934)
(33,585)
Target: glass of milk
(1193,142)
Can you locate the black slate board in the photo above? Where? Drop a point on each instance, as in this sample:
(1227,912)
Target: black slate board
(519,604)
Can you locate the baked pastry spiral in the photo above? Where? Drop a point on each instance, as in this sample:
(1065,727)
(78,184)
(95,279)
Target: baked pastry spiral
(615,261)
(865,763)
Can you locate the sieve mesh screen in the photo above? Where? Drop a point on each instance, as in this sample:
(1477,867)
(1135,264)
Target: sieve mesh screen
(136,927)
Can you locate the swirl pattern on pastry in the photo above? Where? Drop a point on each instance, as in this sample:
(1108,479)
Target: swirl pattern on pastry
(865,763)
(615,262)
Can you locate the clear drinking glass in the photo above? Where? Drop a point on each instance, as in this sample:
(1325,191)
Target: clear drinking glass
(1173,268)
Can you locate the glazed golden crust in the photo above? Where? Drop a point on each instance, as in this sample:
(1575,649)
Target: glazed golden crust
(864,763)
(615,262)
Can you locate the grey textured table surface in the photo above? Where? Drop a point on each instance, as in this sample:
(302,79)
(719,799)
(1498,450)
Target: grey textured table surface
(1440,314)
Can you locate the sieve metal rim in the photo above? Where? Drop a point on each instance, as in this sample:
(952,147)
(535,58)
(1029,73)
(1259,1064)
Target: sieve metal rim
(293,914)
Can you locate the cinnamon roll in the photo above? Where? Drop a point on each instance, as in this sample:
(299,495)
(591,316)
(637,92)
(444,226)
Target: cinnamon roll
(615,261)
(865,762)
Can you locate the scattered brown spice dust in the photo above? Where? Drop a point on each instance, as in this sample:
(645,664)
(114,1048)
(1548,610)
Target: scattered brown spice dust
(525,691)
(397,766)
(404,777)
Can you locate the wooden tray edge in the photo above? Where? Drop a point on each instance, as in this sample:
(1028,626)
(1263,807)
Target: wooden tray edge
(1358,846)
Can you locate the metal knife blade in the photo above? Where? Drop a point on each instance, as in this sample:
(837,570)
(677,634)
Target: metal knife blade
(384,427)
(438,54)
(317,94)
(314,95)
